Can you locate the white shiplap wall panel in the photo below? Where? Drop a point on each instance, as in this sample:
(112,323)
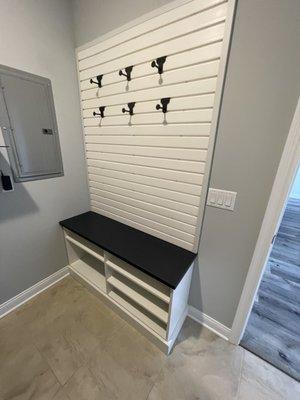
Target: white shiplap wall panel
(160,130)
(148,170)
(160,163)
(187,177)
(164,193)
(149,25)
(129,193)
(177,104)
(183,59)
(203,86)
(192,40)
(166,33)
(196,72)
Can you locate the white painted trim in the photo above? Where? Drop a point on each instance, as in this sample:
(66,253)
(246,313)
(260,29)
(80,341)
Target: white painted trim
(143,18)
(219,329)
(282,184)
(215,118)
(23,297)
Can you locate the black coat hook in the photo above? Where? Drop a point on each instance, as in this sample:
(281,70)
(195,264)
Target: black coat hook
(101,109)
(127,73)
(99,81)
(130,108)
(159,64)
(164,104)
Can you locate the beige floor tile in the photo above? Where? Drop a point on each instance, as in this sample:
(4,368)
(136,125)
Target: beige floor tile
(24,374)
(97,318)
(202,366)
(61,355)
(128,365)
(262,381)
(68,344)
(83,386)
(69,336)
(32,317)
(60,395)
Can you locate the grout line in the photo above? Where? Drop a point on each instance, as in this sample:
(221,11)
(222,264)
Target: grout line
(241,374)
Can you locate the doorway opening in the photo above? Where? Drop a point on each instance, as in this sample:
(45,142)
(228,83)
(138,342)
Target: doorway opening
(273,328)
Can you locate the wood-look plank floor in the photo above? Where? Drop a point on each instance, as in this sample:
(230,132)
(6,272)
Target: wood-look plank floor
(273,330)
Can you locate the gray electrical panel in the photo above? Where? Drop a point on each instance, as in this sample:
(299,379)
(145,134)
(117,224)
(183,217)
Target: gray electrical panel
(28,124)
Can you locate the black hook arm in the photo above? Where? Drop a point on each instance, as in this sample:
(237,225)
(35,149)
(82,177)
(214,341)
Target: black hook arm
(164,104)
(159,64)
(101,109)
(127,73)
(99,81)
(130,108)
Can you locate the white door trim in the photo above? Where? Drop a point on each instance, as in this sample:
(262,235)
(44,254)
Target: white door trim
(282,184)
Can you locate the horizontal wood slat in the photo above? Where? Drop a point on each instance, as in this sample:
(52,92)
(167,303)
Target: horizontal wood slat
(157,117)
(149,26)
(148,180)
(196,72)
(158,209)
(160,163)
(165,33)
(192,40)
(176,104)
(147,198)
(127,220)
(164,193)
(188,154)
(150,223)
(140,209)
(180,176)
(203,86)
(147,170)
(154,141)
(179,60)
(202,129)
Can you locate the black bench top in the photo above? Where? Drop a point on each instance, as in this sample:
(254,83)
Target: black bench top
(161,260)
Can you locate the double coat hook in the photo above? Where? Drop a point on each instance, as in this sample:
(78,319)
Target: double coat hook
(101,109)
(98,82)
(127,73)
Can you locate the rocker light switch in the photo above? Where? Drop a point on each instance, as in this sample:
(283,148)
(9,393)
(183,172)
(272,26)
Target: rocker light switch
(221,199)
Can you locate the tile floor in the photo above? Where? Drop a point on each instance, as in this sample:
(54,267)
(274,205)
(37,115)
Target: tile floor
(67,345)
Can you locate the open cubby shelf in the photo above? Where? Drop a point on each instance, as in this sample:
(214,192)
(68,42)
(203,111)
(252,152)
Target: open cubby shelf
(137,297)
(152,306)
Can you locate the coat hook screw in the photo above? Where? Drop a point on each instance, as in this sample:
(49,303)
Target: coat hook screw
(164,104)
(98,82)
(101,109)
(127,73)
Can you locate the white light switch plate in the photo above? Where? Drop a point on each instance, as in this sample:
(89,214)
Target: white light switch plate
(221,199)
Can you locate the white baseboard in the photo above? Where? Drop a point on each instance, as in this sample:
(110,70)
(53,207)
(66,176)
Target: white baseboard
(209,323)
(31,292)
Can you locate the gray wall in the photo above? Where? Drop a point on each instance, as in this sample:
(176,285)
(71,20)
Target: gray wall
(37,36)
(93,18)
(260,96)
(261,92)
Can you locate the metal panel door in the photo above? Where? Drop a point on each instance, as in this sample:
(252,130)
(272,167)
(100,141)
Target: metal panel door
(32,131)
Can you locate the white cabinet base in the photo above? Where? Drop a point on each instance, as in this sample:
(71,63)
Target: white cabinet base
(154,309)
